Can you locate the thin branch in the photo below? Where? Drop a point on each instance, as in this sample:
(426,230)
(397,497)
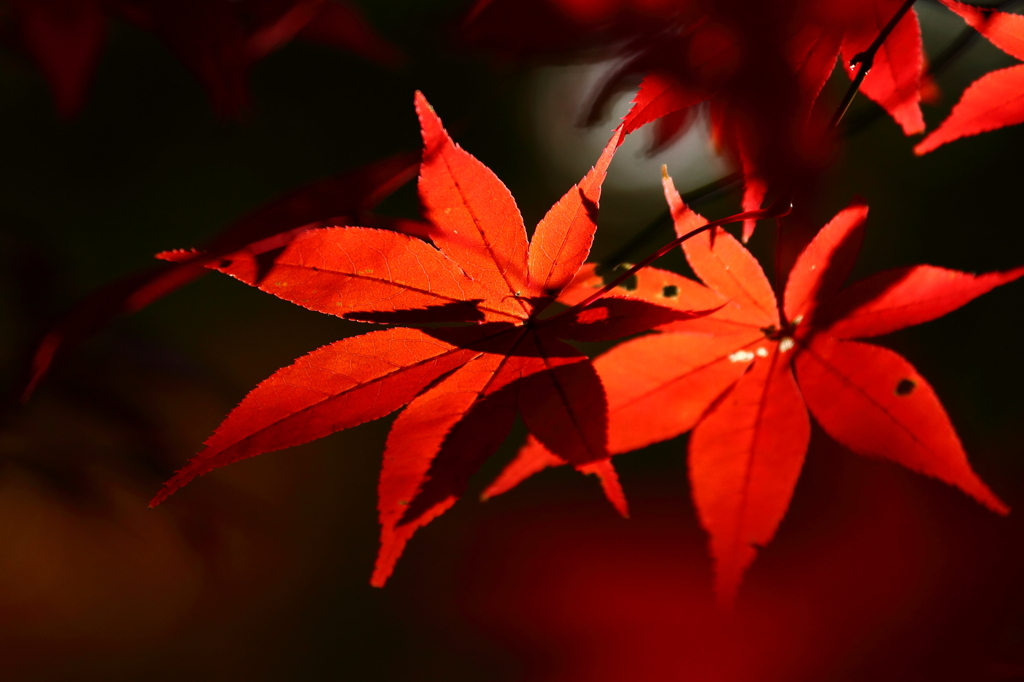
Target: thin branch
(776,210)
(866,60)
(696,196)
(948,56)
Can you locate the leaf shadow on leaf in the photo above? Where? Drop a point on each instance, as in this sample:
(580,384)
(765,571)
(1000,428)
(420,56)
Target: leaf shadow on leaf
(845,304)
(590,207)
(493,337)
(265,262)
(470,442)
(457,311)
(838,267)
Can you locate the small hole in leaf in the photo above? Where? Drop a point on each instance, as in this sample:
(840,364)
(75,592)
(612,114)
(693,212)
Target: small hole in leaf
(224,263)
(611,275)
(670,291)
(905,387)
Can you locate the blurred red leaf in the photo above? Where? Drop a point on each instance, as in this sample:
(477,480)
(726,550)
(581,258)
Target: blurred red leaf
(218,41)
(880,577)
(760,67)
(65,38)
(340,24)
(343,199)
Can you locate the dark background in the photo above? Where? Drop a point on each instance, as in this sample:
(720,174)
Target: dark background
(260,570)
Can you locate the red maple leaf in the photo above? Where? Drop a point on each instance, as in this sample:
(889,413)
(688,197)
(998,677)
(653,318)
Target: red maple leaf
(463,385)
(744,377)
(894,81)
(996,99)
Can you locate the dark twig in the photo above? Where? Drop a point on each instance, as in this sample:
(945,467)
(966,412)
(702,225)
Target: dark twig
(776,210)
(696,196)
(866,60)
(949,54)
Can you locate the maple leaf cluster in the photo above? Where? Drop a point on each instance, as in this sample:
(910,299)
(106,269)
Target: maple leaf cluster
(479,321)
(727,361)
(744,377)
(463,385)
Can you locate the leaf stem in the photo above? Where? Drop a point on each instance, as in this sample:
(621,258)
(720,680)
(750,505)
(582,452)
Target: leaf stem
(866,60)
(956,47)
(665,218)
(776,210)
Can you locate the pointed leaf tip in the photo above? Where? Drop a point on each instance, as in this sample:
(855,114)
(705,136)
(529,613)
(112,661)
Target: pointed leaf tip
(904,297)
(992,101)
(435,445)
(874,402)
(177,255)
(754,191)
(610,485)
(338,386)
(657,97)
(745,458)
(989,103)
(531,459)
(393,541)
(823,266)
(420,100)
(478,222)
(562,240)
(894,80)
(1003,29)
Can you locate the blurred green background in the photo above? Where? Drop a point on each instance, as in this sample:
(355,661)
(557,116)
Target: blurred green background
(260,570)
